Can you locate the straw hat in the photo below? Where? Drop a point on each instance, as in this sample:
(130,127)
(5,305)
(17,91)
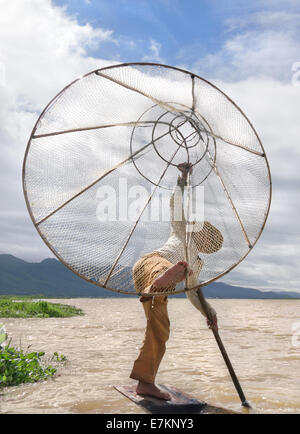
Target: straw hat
(208,238)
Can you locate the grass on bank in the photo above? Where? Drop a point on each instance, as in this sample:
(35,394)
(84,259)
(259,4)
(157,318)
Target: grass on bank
(16,365)
(21,307)
(19,367)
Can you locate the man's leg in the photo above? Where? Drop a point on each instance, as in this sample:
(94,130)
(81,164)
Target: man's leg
(155,273)
(153,349)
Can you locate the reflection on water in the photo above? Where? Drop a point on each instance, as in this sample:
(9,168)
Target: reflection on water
(259,336)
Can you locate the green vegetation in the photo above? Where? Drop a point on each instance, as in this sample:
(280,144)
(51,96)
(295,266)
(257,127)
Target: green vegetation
(21,307)
(17,366)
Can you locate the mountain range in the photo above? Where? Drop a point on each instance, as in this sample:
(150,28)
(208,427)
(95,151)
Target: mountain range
(50,278)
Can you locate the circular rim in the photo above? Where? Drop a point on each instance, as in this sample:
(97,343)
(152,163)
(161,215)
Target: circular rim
(192,75)
(158,121)
(180,144)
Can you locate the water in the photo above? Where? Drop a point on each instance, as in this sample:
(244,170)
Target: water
(262,338)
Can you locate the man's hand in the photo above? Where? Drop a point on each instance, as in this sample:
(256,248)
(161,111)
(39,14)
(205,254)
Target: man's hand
(212,321)
(184,168)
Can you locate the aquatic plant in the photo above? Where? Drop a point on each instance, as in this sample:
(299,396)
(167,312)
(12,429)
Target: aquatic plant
(17,366)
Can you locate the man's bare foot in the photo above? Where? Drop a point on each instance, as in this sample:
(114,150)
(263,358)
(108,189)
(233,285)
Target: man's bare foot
(172,276)
(151,390)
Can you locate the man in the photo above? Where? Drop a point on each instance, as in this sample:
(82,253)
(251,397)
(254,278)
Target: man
(161,271)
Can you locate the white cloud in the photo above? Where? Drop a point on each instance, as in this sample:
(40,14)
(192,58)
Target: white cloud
(254,68)
(154,54)
(257,66)
(41,50)
(269,54)
(264,43)
(281,19)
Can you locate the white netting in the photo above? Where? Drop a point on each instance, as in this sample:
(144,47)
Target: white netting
(102,164)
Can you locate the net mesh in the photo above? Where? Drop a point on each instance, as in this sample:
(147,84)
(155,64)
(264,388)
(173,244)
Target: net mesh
(101,175)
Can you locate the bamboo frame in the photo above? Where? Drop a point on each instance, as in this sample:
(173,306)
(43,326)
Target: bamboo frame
(99,72)
(233,207)
(120,164)
(137,221)
(161,122)
(230,200)
(173,109)
(193,93)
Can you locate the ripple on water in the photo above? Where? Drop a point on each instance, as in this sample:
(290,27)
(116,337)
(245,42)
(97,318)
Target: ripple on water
(102,344)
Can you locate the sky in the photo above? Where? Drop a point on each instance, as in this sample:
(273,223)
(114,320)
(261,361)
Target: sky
(251,50)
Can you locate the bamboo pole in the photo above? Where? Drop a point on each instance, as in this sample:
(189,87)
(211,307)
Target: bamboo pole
(206,310)
(234,378)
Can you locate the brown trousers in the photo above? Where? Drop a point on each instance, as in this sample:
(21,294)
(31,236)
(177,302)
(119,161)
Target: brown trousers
(145,271)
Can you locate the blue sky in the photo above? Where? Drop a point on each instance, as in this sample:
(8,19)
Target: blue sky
(179,32)
(175,25)
(251,50)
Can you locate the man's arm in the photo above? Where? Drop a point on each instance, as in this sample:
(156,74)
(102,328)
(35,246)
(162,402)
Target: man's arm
(177,217)
(193,296)
(176,211)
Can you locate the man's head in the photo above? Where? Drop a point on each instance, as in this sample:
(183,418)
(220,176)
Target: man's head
(208,239)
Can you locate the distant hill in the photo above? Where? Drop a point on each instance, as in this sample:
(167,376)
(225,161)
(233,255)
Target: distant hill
(50,278)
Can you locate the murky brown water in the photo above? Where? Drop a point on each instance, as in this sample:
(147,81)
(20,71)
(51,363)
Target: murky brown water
(262,338)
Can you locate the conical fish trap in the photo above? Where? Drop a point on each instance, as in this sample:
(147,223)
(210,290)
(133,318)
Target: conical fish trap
(101,165)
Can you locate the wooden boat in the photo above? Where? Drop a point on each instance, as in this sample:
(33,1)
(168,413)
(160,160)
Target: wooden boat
(180,403)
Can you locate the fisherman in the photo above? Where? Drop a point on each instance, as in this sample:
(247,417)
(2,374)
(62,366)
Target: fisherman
(161,271)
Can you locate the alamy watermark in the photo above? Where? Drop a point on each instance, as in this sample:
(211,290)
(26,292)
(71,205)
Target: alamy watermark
(2,74)
(296,334)
(3,335)
(296,74)
(157,205)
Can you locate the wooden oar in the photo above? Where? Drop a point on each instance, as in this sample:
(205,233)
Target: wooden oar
(234,378)
(214,329)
